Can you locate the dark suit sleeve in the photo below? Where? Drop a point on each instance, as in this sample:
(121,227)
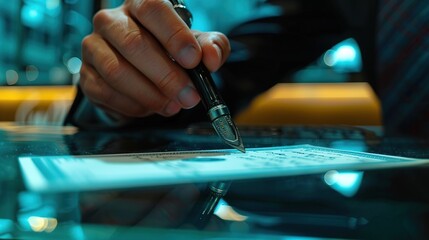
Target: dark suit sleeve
(267,50)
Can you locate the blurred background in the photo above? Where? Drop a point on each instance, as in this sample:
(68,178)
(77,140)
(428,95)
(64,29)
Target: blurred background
(40,46)
(41,38)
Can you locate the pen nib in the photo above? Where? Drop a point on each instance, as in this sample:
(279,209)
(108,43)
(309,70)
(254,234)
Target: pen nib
(227,130)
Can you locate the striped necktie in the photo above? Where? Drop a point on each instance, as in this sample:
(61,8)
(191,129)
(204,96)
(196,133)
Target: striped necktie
(403,65)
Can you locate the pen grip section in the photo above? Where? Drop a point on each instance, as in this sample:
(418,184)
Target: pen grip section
(203,82)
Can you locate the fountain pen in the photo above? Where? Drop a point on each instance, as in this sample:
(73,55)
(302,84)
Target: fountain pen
(217,111)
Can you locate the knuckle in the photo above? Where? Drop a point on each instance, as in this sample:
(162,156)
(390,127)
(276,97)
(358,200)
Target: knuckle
(132,41)
(167,82)
(87,45)
(222,38)
(102,18)
(111,69)
(175,37)
(86,42)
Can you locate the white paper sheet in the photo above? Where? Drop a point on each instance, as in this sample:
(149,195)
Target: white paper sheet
(92,172)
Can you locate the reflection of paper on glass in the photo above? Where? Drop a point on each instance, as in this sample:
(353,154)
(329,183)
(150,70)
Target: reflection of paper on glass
(90,172)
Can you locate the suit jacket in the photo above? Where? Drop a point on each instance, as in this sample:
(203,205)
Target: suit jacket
(265,50)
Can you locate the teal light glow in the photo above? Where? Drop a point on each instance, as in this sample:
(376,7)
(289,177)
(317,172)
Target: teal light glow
(73,65)
(52,7)
(344,57)
(346,183)
(32,15)
(52,4)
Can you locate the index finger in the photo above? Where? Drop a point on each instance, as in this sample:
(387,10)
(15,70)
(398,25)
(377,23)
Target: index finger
(160,18)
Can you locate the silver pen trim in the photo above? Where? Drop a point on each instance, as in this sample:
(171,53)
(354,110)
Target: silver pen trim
(226,129)
(218,111)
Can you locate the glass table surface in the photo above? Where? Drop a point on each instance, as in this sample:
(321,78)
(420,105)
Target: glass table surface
(377,203)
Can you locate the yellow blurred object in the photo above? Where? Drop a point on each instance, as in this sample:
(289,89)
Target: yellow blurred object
(285,103)
(36,104)
(314,103)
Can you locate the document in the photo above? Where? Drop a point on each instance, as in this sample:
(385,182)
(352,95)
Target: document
(113,171)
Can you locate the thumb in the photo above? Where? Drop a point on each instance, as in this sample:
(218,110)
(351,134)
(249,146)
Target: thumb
(215,47)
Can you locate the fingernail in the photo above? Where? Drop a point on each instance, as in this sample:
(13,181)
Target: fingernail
(188,56)
(172,108)
(188,97)
(218,51)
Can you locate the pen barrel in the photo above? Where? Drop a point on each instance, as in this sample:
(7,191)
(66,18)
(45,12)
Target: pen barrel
(200,75)
(203,82)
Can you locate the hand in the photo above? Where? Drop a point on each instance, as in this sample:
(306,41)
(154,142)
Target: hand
(127,60)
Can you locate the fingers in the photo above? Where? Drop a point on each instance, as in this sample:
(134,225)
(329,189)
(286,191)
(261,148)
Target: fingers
(142,50)
(105,97)
(127,65)
(130,95)
(169,29)
(216,49)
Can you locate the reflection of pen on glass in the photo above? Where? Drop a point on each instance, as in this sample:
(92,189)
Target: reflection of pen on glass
(216,109)
(217,190)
